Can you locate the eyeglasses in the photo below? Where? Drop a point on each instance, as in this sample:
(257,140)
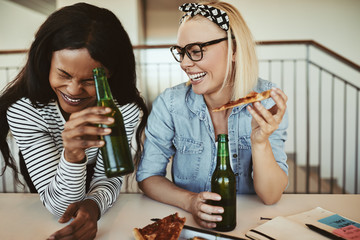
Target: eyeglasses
(193,50)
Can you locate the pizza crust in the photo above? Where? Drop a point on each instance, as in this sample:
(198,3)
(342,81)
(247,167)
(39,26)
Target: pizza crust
(137,234)
(250,98)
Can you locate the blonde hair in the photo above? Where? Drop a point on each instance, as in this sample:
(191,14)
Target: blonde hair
(243,74)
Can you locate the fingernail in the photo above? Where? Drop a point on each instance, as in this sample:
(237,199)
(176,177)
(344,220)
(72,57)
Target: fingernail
(107,130)
(220,210)
(107,109)
(110,119)
(217,198)
(219,219)
(52,237)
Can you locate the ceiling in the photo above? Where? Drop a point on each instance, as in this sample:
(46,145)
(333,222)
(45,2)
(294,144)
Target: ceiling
(165,4)
(46,7)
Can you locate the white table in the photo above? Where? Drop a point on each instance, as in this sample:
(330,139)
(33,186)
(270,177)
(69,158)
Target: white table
(22,216)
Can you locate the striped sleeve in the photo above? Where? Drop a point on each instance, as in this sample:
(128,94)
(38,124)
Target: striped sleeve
(104,191)
(57,181)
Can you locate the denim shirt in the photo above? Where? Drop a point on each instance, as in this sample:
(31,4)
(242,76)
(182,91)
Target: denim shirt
(180,126)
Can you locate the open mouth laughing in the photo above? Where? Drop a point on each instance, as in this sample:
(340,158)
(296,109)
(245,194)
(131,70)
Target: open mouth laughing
(70,100)
(197,76)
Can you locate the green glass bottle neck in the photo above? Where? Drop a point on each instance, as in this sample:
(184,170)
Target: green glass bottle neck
(223,159)
(103,91)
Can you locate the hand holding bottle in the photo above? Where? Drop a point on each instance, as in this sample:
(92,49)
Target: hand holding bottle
(223,182)
(116,153)
(206,215)
(80,132)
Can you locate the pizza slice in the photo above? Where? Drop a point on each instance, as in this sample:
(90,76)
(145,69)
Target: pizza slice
(168,228)
(250,98)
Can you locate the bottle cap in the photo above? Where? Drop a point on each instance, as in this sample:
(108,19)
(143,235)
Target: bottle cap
(99,71)
(222,138)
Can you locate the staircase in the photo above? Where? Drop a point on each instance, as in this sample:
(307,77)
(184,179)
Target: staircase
(297,181)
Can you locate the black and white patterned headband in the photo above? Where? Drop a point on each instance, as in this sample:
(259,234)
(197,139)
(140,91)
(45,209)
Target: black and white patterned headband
(213,14)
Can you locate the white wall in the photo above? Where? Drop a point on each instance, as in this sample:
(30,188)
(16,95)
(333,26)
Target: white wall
(126,11)
(17,28)
(17,25)
(333,23)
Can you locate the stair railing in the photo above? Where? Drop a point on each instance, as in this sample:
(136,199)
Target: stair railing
(323,106)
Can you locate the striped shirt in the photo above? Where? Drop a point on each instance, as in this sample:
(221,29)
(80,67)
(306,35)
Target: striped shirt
(59,183)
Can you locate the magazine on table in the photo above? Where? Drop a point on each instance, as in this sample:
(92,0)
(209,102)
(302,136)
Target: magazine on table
(316,223)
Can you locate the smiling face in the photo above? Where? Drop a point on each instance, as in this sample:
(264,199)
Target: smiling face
(206,75)
(72,80)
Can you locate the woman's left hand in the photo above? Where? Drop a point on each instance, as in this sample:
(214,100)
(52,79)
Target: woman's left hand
(84,225)
(264,121)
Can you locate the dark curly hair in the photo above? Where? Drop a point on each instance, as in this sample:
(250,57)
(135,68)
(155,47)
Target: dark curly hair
(73,27)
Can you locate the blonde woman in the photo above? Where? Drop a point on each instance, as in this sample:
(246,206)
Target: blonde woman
(216,50)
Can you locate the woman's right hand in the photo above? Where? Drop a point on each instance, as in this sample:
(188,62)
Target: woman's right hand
(80,133)
(197,204)
(204,214)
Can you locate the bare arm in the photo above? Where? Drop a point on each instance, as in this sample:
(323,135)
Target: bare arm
(156,186)
(269,179)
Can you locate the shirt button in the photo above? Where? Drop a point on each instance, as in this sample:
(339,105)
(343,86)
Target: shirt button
(235,155)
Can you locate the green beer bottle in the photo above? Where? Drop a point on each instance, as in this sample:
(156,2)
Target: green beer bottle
(115,153)
(223,182)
